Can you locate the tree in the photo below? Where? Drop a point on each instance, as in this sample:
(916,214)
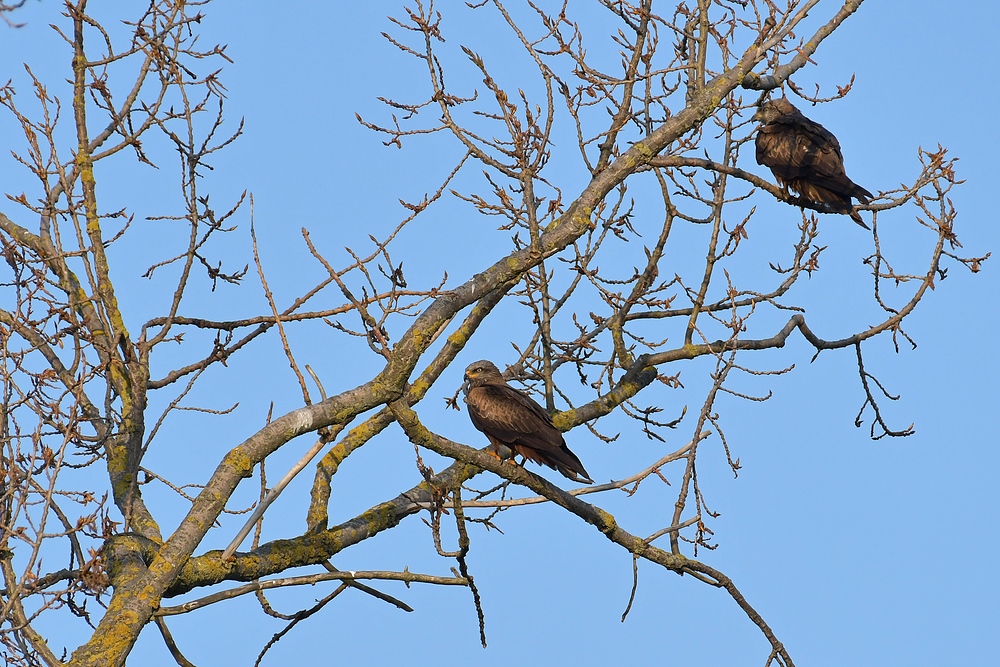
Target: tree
(603,321)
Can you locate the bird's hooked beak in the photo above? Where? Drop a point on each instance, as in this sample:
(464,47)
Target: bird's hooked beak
(465,384)
(757,116)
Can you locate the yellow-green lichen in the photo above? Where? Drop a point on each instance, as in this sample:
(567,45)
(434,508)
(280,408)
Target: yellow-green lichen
(607,522)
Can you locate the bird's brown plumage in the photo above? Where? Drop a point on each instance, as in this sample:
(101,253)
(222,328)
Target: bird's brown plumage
(805,157)
(510,417)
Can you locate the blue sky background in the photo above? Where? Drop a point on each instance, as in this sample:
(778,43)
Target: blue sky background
(855,552)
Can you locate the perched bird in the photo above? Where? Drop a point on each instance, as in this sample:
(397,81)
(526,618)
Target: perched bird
(805,156)
(510,417)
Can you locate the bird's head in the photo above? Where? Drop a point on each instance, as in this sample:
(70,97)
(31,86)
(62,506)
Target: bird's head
(480,373)
(772,109)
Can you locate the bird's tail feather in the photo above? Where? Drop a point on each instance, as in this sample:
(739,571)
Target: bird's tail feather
(570,467)
(861,194)
(856,217)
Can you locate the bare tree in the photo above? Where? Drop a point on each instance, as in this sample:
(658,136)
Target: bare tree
(659,126)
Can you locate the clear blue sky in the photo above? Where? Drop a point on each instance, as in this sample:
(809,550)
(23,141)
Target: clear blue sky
(856,552)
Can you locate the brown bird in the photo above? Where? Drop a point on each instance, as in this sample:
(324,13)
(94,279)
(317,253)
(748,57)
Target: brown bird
(805,156)
(510,417)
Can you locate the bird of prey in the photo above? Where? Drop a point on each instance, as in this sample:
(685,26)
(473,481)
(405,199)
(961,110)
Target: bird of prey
(510,417)
(805,156)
